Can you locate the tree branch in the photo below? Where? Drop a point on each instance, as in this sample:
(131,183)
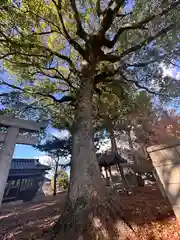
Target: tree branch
(147,40)
(61,100)
(110,44)
(139,25)
(136,83)
(67,80)
(163,12)
(115,58)
(98,7)
(23,54)
(102,77)
(80,31)
(122,15)
(42,33)
(32,45)
(46,20)
(7,55)
(108,17)
(143,64)
(66,34)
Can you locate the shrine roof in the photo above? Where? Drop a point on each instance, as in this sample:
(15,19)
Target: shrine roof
(27,164)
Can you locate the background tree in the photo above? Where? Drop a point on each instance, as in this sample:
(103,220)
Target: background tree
(58,50)
(164,128)
(61,180)
(57,149)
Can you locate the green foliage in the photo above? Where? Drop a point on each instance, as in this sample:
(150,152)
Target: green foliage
(57,147)
(61,180)
(45,44)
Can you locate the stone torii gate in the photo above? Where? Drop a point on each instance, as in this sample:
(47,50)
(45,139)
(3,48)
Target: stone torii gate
(12,137)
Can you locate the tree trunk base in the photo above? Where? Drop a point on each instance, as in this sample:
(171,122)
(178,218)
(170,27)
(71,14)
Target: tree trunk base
(99,218)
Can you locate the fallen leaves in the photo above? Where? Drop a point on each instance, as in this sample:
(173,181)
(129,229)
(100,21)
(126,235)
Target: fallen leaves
(150,215)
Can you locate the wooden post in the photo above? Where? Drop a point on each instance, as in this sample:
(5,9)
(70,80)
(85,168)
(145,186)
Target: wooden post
(124,181)
(6,158)
(107,178)
(110,176)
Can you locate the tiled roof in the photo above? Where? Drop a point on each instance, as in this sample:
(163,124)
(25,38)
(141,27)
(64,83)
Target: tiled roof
(110,159)
(23,164)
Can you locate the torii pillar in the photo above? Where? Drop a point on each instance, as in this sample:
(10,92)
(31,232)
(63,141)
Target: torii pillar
(10,139)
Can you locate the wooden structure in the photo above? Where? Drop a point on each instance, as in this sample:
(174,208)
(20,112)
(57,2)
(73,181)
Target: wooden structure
(14,131)
(166,161)
(108,160)
(24,179)
(115,165)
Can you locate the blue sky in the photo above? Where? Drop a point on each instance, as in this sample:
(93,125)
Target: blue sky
(23,151)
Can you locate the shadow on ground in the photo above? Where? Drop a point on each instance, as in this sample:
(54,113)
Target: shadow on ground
(149,214)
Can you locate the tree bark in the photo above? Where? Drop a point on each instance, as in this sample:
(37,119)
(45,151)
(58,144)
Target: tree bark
(85,180)
(87,199)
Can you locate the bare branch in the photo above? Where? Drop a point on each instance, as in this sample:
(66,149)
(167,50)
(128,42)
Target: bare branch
(61,100)
(7,55)
(66,34)
(46,20)
(122,15)
(42,33)
(108,19)
(136,83)
(110,44)
(143,64)
(98,7)
(174,64)
(163,12)
(44,48)
(139,25)
(80,31)
(115,58)
(4,94)
(147,40)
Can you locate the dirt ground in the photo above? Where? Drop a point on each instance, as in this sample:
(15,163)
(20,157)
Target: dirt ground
(150,215)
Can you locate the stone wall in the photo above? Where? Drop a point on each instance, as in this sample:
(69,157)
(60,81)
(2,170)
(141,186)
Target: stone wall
(166,161)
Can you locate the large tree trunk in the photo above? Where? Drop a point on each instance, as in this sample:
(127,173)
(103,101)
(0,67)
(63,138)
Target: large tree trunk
(85,178)
(87,202)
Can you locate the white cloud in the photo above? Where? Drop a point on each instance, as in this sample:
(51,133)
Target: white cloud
(47,160)
(44,159)
(59,134)
(170,71)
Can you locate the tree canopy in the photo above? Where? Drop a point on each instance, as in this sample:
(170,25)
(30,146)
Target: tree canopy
(65,53)
(46,43)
